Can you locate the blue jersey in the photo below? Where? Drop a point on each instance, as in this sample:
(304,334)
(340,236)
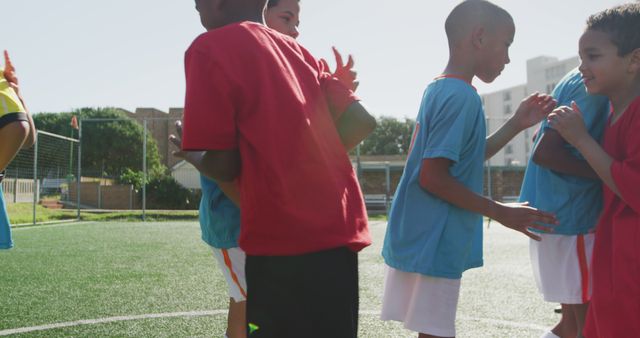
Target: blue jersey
(5,227)
(425,234)
(576,201)
(219,217)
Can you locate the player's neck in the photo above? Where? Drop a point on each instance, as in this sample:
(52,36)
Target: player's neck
(459,67)
(621,100)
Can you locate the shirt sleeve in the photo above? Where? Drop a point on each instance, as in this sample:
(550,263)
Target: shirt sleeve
(338,96)
(210,110)
(448,129)
(626,173)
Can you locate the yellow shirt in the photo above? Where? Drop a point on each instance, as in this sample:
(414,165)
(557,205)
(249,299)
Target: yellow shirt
(9,101)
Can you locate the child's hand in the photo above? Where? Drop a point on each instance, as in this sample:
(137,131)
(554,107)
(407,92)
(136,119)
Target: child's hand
(9,70)
(189,156)
(533,109)
(344,73)
(569,123)
(521,217)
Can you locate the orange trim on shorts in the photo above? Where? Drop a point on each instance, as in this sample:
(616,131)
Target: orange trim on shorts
(227,262)
(584,268)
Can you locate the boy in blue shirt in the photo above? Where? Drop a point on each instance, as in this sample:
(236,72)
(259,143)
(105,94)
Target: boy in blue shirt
(435,224)
(558,179)
(16,131)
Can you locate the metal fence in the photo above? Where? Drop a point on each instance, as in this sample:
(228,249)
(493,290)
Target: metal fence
(101,189)
(43,174)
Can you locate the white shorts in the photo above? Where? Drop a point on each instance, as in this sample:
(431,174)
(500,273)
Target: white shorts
(231,263)
(424,304)
(562,267)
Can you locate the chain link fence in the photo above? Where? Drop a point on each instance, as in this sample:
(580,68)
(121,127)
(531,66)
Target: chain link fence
(39,180)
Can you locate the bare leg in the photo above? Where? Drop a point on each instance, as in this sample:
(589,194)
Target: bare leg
(424,335)
(12,136)
(237,319)
(566,328)
(580,312)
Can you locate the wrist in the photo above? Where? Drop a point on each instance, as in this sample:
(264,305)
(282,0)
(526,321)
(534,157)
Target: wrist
(582,142)
(493,209)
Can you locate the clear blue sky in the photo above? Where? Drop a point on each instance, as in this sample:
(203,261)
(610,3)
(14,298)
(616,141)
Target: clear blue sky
(129,53)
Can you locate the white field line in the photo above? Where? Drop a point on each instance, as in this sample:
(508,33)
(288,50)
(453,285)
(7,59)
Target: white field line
(223,312)
(46,226)
(111,320)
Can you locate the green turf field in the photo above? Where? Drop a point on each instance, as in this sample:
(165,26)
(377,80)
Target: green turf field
(133,271)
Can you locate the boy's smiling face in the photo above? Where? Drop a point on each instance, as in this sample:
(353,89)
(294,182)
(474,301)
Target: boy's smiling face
(603,70)
(494,53)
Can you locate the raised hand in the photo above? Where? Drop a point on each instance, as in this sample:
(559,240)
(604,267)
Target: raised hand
(534,109)
(344,73)
(10,72)
(177,141)
(569,123)
(521,217)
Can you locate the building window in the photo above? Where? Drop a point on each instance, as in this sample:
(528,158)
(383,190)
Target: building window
(506,96)
(507,109)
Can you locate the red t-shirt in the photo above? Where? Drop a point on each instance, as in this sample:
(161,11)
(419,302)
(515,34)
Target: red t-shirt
(256,90)
(614,310)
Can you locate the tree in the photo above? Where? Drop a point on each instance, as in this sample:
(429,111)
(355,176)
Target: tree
(108,147)
(391,137)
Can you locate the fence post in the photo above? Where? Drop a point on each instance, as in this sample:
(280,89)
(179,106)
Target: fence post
(35,177)
(387,173)
(144,171)
(15,190)
(79,174)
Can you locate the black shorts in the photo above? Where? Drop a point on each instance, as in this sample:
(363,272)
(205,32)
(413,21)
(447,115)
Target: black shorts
(311,295)
(2,176)
(12,117)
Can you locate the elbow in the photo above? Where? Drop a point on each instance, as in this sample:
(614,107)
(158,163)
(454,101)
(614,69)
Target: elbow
(429,182)
(541,158)
(370,124)
(221,166)
(225,174)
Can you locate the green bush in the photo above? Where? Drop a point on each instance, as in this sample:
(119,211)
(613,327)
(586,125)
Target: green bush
(164,192)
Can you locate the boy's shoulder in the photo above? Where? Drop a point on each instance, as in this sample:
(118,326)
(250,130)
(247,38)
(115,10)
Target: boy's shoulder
(449,90)
(245,35)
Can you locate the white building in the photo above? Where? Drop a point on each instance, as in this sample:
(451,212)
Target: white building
(543,73)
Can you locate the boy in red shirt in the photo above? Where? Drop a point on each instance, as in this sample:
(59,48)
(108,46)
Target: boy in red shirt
(610,53)
(269,117)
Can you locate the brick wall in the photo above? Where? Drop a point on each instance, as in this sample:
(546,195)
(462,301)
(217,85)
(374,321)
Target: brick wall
(112,197)
(505,182)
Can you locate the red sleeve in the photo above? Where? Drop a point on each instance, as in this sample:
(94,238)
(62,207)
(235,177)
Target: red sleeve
(338,96)
(626,173)
(209,110)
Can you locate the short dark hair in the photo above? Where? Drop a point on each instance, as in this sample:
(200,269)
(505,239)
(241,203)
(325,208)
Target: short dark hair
(273,3)
(622,24)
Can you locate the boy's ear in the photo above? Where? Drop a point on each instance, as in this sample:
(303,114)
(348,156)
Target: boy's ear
(478,36)
(634,61)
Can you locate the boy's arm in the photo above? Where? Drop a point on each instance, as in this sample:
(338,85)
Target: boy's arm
(570,124)
(230,189)
(435,179)
(531,111)
(354,125)
(11,77)
(551,153)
